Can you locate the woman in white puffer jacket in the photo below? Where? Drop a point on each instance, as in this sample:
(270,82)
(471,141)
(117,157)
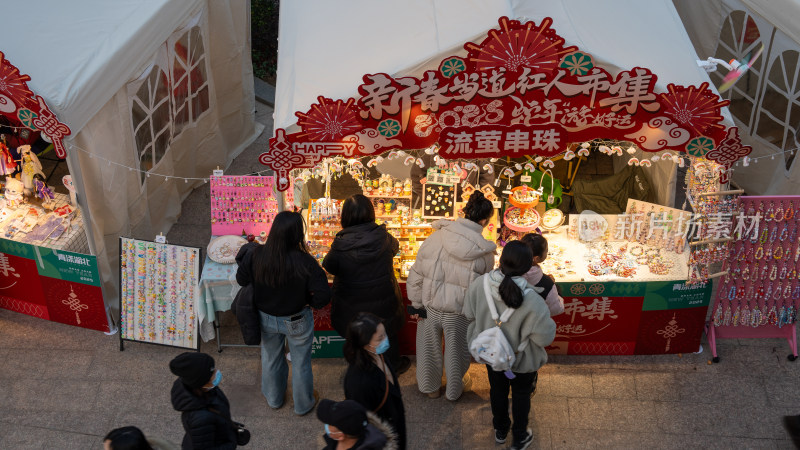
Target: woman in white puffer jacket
(447,262)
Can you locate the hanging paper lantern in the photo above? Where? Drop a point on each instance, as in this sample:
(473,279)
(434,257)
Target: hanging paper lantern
(518,166)
(538,159)
(548,163)
(633,162)
(631,150)
(372,162)
(401,154)
(379,159)
(470,166)
(655,158)
(493,160)
(409,160)
(583,152)
(392,155)
(586,145)
(456,168)
(645,163)
(604,149)
(569,155)
(529,167)
(488,168)
(508,172)
(420,163)
(431,150)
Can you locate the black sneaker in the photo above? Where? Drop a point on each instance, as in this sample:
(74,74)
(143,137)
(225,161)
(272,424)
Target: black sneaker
(524,443)
(500,436)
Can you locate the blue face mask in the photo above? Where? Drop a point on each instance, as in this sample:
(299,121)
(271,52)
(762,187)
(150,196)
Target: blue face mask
(382,347)
(217,379)
(328,432)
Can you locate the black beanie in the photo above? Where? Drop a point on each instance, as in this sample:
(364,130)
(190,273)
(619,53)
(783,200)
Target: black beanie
(193,368)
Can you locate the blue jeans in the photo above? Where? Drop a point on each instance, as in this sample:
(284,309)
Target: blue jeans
(275,330)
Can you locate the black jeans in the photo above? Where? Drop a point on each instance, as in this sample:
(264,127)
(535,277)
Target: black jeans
(522,388)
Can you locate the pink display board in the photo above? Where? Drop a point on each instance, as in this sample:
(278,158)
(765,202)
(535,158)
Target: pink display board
(242,203)
(761,293)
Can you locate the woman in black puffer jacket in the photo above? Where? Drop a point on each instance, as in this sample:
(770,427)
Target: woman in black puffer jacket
(205,411)
(361,261)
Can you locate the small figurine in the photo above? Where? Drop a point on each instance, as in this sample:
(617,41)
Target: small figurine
(14,191)
(407,187)
(7,163)
(30,167)
(43,191)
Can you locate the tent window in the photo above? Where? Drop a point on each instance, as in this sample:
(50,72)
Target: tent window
(151,116)
(738,38)
(779,116)
(190,82)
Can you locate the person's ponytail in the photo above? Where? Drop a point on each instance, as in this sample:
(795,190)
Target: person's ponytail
(515,261)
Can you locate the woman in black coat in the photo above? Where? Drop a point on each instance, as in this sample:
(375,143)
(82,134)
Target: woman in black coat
(361,261)
(370,380)
(205,411)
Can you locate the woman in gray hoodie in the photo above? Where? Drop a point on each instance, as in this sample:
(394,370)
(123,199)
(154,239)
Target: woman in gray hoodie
(446,264)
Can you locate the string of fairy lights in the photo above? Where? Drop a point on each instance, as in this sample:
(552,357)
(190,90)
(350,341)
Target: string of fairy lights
(499,164)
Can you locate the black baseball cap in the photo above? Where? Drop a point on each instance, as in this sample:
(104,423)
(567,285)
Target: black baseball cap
(348,416)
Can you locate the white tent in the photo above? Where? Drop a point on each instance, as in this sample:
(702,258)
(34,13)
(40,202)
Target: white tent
(156,92)
(326,47)
(765,102)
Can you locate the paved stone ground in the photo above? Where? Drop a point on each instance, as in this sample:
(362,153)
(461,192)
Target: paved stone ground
(64,387)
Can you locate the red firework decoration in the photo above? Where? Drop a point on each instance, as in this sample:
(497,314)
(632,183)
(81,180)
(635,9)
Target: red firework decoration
(329,120)
(695,108)
(13,84)
(518,45)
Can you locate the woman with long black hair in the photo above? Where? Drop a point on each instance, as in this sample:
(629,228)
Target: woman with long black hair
(286,280)
(370,379)
(361,261)
(529,327)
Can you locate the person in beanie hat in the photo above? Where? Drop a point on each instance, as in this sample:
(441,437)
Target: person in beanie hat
(348,425)
(205,411)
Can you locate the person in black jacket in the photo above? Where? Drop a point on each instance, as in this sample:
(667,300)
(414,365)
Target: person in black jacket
(370,380)
(361,261)
(286,280)
(205,411)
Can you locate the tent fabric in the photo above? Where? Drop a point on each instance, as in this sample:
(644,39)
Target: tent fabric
(609,195)
(85,73)
(407,38)
(768,125)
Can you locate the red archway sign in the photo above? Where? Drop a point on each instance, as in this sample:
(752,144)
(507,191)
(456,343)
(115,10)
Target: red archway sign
(520,91)
(21,105)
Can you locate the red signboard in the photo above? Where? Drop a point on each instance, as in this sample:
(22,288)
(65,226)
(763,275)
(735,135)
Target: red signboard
(519,91)
(21,105)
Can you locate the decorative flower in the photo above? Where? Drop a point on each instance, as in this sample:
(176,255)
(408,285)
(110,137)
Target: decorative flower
(328,120)
(516,45)
(452,66)
(577,63)
(696,109)
(12,84)
(577,289)
(596,289)
(699,146)
(26,117)
(389,128)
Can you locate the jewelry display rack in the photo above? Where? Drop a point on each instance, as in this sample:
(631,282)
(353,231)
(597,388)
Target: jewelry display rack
(759,294)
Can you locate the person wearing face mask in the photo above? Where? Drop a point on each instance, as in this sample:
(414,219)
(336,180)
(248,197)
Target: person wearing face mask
(370,379)
(348,425)
(205,411)
(447,262)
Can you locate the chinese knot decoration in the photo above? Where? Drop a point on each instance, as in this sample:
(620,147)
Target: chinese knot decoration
(18,103)
(520,91)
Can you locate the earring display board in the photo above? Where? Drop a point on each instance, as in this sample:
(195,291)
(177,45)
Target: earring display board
(158,291)
(242,203)
(759,296)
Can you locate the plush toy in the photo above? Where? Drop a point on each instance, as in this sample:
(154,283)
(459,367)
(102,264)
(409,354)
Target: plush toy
(7,163)
(14,191)
(30,167)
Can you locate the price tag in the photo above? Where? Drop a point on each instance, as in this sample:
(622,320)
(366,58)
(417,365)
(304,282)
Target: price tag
(497,204)
(525,178)
(217,173)
(454,179)
(161,239)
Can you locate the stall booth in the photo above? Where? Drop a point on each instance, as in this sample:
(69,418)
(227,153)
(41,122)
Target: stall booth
(142,100)
(500,115)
